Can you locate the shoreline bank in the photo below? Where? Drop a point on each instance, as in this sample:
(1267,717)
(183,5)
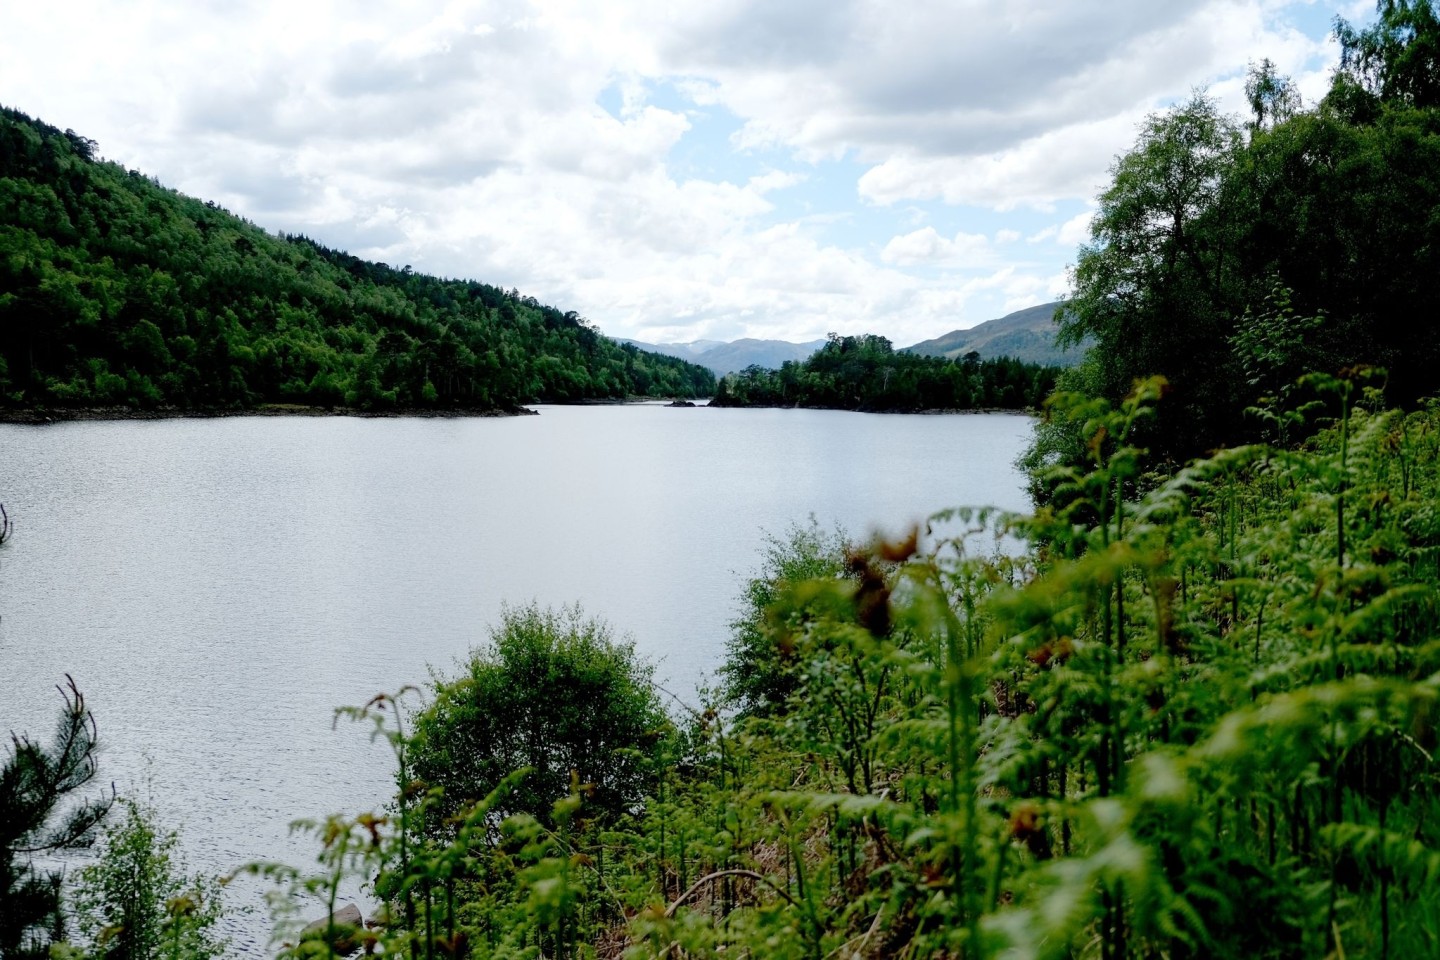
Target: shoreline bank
(64,415)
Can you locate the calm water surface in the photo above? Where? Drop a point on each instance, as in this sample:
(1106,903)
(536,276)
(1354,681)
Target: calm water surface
(218,587)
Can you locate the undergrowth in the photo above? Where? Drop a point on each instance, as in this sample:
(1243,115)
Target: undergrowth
(1194,718)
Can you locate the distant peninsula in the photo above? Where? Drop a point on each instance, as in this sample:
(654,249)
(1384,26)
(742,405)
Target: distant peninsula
(722,357)
(866,373)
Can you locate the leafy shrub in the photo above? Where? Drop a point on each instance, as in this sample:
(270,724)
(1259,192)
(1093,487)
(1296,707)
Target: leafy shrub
(553,693)
(759,674)
(136,903)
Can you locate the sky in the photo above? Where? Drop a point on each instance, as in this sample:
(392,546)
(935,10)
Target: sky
(673,170)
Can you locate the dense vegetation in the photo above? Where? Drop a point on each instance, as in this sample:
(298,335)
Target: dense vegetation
(552,692)
(1196,722)
(135,901)
(1335,205)
(866,373)
(115,290)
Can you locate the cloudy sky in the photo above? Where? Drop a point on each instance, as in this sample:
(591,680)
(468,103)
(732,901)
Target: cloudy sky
(671,170)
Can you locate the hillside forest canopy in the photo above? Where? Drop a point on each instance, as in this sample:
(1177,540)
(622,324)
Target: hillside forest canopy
(115,290)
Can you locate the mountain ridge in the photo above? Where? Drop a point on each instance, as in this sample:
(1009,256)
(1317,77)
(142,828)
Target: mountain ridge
(728,356)
(1027,334)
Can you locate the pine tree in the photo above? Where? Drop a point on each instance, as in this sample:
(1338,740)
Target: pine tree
(34,782)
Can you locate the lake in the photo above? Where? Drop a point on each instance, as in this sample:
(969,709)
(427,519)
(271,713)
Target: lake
(218,586)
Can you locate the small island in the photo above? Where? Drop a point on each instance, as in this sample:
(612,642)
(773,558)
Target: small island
(866,373)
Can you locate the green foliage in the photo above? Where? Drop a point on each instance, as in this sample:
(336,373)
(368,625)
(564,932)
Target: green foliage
(760,676)
(1196,718)
(117,291)
(1275,349)
(1332,204)
(1397,58)
(1175,730)
(1151,286)
(556,695)
(136,903)
(494,887)
(1056,439)
(865,373)
(40,814)
(1273,99)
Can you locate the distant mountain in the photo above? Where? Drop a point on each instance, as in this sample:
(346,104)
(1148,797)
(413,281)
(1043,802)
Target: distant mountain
(685,351)
(723,358)
(1027,335)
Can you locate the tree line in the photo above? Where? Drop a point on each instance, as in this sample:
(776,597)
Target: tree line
(867,373)
(117,291)
(1233,255)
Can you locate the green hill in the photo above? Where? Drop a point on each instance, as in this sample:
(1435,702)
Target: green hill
(115,290)
(1027,335)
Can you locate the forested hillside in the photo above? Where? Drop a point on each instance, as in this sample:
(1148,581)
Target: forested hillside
(866,373)
(117,291)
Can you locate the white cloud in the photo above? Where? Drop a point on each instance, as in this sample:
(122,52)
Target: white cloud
(927,247)
(1076,230)
(1070,234)
(1067,163)
(468,138)
(775,180)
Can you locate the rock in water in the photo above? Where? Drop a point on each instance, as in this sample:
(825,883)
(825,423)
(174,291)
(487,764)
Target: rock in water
(347,925)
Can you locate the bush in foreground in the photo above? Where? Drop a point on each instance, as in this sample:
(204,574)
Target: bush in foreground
(554,693)
(135,902)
